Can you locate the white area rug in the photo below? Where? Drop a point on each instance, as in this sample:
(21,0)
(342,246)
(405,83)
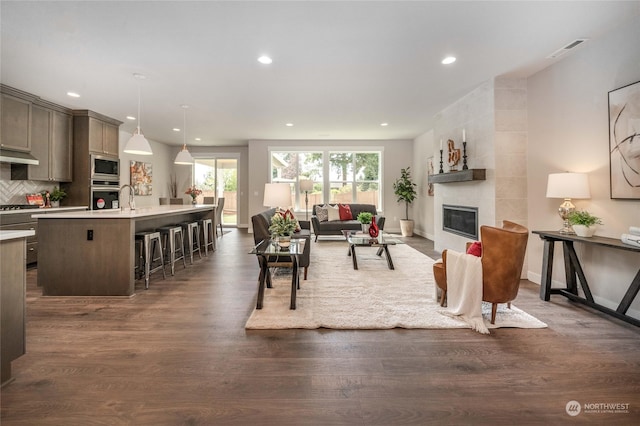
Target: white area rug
(372,297)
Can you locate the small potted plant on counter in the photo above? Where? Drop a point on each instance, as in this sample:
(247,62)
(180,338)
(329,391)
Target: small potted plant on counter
(584,223)
(56,196)
(365,219)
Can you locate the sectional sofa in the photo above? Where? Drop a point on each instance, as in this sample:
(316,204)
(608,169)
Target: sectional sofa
(335,227)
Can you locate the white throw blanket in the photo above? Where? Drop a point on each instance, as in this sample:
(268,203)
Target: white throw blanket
(464,289)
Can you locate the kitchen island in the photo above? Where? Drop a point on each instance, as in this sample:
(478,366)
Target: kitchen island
(13,283)
(92,253)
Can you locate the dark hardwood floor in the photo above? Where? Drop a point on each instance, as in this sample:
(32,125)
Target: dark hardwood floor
(178,354)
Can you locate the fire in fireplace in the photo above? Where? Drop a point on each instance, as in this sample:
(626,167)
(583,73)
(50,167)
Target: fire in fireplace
(460,220)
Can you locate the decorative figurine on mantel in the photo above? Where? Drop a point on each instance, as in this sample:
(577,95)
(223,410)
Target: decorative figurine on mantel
(464,150)
(454,156)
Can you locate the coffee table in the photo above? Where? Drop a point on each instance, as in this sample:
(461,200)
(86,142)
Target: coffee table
(358,239)
(270,254)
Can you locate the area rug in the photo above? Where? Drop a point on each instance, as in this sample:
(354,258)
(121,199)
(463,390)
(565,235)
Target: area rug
(373,297)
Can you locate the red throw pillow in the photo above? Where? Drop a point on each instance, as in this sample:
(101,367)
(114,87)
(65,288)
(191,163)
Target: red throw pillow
(345,212)
(475,249)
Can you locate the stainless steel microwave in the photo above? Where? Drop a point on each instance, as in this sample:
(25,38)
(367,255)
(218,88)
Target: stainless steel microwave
(103,167)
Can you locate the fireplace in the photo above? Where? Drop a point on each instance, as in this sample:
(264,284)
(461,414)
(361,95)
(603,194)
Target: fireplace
(460,220)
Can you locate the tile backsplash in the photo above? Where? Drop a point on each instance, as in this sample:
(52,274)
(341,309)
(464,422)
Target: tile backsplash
(14,191)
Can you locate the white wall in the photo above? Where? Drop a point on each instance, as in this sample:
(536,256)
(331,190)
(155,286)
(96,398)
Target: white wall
(397,154)
(162,162)
(568,130)
(423,148)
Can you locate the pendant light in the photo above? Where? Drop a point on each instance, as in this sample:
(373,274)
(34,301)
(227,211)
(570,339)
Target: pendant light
(138,144)
(184,157)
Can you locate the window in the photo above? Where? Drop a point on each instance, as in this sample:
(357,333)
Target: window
(351,176)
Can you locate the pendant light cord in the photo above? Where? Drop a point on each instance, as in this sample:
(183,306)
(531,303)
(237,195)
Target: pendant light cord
(139,96)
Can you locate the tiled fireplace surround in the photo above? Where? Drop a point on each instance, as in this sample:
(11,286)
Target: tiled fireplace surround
(495,119)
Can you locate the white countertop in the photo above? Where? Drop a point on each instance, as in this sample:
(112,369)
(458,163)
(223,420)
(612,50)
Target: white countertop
(43,210)
(13,235)
(139,212)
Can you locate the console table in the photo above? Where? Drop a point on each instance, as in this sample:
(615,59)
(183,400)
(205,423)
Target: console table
(573,269)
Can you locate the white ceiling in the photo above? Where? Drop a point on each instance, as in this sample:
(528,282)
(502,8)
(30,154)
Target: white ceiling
(340,68)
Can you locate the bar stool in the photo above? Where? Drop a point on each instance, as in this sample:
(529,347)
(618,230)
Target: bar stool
(208,236)
(150,242)
(173,241)
(192,230)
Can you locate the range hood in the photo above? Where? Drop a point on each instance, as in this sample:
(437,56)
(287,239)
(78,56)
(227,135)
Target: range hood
(17,157)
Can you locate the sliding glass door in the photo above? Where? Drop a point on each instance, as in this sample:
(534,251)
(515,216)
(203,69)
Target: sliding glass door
(218,177)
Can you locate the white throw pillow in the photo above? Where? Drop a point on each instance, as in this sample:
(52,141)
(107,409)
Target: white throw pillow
(334,213)
(322,213)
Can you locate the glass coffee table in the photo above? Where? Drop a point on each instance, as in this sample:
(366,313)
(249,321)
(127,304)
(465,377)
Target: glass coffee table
(270,254)
(359,239)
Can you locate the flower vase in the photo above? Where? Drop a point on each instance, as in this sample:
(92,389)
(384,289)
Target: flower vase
(373,229)
(284,241)
(194,201)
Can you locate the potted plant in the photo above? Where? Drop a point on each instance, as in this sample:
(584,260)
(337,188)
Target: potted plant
(365,219)
(405,190)
(283,226)
(56,196)
(584,223)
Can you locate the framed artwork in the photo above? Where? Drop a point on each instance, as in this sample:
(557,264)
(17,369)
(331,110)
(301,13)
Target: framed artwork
(430,171)
(624,142)
(141,177)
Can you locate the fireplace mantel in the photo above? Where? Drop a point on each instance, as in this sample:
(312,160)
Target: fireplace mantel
(461,176)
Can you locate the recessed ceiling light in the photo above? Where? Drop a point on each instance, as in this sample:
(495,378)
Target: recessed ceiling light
(448,60)
(130,117)
(175,129)
(198,139)
(73,94)
(384,124)
(265,60)
(289,124)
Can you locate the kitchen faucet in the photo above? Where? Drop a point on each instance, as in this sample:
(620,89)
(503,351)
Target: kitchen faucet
(132,204)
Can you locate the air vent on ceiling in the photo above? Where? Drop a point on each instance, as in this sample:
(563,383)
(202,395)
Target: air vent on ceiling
(567,48)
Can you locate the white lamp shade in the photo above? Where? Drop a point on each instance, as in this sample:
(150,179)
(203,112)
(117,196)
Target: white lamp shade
(568,185)
(306,185)
(183,157)
(277,195)
(138,144)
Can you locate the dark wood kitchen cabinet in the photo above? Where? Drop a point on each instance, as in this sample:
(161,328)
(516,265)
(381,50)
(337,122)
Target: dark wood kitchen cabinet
(44,129)
(15,132)
(100,132)
(51,143)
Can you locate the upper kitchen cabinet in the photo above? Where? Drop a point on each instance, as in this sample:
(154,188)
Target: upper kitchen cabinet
(98,132)
(15,109)
(51,144)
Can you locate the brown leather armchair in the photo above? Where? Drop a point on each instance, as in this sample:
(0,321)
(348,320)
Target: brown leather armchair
(503,251)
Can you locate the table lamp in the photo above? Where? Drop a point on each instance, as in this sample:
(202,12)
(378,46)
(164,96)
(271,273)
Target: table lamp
(277,195)
(306,186)
(567,185)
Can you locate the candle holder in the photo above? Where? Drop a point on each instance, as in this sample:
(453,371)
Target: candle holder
(464,156)
(441,169)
